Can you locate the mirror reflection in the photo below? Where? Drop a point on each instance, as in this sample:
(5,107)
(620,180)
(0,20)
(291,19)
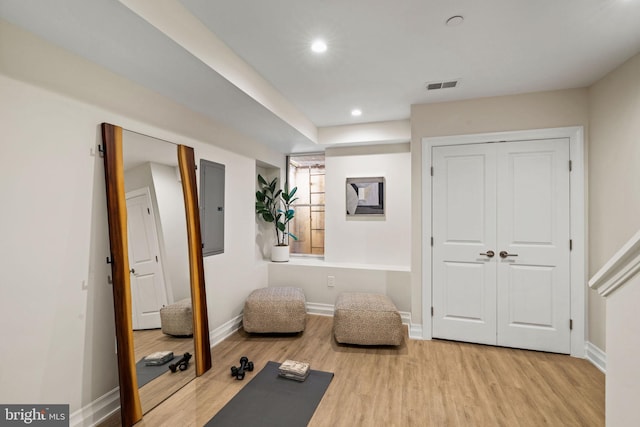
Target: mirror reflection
(159,266)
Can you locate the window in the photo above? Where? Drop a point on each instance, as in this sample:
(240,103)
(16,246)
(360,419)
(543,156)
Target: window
(307,173)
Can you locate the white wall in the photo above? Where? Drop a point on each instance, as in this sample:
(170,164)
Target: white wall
(232,275)
(614,174)
(367,133)
(55,244)
(623,346)
(173,225)
(363,254)
(312,279)
(138,177)
(56,305)
(619,282)
(369,240)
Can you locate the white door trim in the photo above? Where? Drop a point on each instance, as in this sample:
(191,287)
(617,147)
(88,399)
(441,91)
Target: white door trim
(577,208)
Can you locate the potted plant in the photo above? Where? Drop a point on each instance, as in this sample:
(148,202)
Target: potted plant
(274,206)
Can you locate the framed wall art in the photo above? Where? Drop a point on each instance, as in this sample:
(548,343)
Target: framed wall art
(365,196)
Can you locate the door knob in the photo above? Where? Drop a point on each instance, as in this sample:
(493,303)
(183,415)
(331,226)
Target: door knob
(504,254)
(489,254)
(132,271)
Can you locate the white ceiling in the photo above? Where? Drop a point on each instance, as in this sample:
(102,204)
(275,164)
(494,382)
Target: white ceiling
(381,52)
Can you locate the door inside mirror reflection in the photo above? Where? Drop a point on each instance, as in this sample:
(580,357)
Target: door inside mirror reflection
(159,264)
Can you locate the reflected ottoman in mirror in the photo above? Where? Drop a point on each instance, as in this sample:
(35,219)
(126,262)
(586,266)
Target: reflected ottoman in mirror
(177,319)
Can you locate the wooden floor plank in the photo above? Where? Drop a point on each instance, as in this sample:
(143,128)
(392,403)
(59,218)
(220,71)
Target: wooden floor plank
(420,383)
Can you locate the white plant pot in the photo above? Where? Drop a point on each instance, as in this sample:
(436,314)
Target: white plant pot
(280,253)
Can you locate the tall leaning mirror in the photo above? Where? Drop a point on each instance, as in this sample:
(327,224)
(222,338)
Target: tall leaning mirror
(157,269)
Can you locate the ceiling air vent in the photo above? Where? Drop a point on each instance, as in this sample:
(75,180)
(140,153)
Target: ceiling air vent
(442,85)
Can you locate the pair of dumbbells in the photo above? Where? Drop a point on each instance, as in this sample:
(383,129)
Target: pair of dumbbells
(245,365)
(181,364)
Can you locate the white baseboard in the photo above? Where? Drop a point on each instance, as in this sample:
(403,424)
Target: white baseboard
(223,331)
(96,411)
(406,317)
(415,331)
(320,309)
(596,356)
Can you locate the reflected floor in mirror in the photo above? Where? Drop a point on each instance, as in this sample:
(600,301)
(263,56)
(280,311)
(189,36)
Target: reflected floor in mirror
(153,340)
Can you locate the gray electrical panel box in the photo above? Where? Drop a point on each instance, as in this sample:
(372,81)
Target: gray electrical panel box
(212,207)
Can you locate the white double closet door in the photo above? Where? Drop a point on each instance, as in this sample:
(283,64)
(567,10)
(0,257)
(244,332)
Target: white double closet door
(501,256)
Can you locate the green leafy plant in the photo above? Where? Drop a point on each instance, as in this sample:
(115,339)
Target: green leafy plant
(274,206)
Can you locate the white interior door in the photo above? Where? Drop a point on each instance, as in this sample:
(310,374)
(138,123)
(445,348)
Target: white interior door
(148,293)
(464,212)
(512,199)
(533,229)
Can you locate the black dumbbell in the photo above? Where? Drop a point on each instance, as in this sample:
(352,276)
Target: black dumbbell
(245,365)
(181,364)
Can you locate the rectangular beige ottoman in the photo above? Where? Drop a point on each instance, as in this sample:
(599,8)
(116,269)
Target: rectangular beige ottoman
(366,319)
(276,310)
(177,319)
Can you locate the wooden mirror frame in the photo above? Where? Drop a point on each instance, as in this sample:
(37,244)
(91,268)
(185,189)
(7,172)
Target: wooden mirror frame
(130,407)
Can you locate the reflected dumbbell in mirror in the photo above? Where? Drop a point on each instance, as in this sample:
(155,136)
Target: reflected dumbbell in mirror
(181,364)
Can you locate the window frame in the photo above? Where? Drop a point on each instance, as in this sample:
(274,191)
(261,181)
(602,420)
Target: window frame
(291,183)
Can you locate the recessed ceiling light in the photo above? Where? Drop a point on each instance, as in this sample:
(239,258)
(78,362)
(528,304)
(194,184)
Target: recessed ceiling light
(356,112)
(455,20)
(319,46)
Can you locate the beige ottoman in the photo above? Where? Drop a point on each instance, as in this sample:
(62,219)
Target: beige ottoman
(177,318)
(366,319)
(278,309)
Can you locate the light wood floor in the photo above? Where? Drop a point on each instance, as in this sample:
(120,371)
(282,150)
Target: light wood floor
(421,383)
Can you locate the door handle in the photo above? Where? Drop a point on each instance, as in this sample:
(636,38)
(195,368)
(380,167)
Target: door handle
(489,254)
(504,254)
(132,271)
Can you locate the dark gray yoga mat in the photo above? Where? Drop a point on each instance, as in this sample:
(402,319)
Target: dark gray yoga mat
(149,373)
(270,400)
